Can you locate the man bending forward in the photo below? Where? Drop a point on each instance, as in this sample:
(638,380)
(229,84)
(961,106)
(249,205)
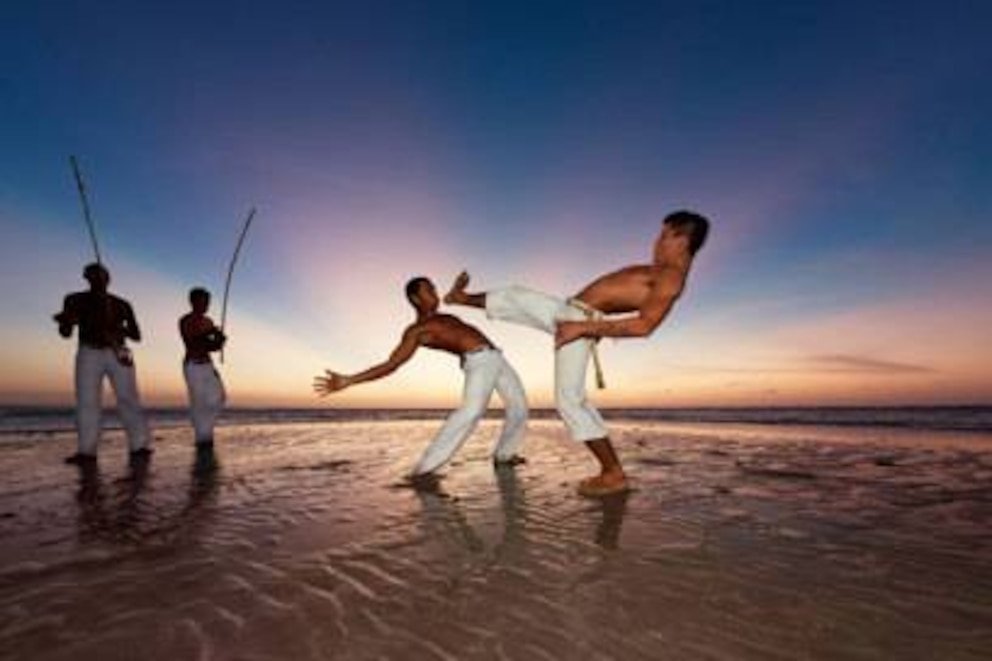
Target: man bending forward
(641,294)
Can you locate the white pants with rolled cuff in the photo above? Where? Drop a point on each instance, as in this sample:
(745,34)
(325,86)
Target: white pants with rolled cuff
(91,366)
(206,398)
(485,371)
(526,307)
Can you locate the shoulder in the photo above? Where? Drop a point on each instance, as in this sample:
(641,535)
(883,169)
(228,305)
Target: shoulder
(447,320)
(416,332)
(120,302)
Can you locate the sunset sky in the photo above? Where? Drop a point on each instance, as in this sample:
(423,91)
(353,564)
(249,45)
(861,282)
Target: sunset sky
(843,151)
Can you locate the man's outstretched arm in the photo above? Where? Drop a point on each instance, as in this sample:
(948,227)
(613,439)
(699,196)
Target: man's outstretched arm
(334,381)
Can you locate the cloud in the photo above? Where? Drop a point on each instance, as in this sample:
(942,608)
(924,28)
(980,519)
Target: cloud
(860,364)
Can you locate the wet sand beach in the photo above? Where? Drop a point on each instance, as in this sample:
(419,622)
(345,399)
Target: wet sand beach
(740,542)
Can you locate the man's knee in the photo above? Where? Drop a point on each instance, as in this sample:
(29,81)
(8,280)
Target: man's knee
(516,413)
(470,413)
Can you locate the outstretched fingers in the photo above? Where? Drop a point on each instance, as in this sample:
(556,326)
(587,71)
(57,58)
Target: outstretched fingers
(457,289)
(325,385)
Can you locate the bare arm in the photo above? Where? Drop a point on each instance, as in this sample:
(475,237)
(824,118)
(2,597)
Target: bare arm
(663,296)
(68,317)
(131,329)
(201,335)
(334,381)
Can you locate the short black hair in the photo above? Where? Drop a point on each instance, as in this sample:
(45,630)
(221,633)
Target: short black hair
(413,286)
(96,269)
(691,223)
(198,293)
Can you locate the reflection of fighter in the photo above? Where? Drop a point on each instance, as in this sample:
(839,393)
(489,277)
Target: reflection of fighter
(206,390)
(643,293)
(485,370)
(105,322)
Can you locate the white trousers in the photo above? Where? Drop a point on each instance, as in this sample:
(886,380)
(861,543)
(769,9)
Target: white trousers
(485,371)
(91,366)
(206,398)
(526,307)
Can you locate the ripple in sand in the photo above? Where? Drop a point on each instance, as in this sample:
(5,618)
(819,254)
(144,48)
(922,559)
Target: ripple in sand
(284,558)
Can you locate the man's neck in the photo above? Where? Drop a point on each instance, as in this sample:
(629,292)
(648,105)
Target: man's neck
(679,263)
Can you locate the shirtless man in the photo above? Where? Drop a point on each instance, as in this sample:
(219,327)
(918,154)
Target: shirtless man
(105,323)
(206,390)
(643,294)
(485,370)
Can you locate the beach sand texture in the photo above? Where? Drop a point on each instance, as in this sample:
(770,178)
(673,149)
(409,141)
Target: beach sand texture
(741,542)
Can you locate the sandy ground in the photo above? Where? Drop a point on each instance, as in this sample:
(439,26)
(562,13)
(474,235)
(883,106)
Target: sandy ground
(740,542)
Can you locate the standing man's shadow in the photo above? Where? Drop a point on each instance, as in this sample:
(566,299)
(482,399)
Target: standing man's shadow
(203,479)
(118,513)
(111,514)
(613,509)
(443,515)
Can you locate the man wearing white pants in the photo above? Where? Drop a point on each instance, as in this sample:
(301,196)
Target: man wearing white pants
(643,292)
(105,322)
(203,383)
(485,370)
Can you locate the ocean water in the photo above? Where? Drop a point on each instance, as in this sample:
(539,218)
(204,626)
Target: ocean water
(17,420)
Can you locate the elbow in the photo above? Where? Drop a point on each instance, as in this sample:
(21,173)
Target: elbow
(645,327)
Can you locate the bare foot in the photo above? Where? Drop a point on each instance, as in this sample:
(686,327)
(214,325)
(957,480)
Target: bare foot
(423,481)
(515,460)
(457,292)
(81,459)
(604,484)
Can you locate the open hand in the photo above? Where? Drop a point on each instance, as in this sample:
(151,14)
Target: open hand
(455,294)
(333,382)
(567,331)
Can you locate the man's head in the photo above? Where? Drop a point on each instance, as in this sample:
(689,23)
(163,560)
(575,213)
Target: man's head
(97,275)
(682,232)
(422,295)
(199,299)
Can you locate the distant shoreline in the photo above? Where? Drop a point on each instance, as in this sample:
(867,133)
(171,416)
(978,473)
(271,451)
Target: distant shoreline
(975,418)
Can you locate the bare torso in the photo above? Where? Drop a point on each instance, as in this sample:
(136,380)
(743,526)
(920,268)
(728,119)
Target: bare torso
(104,319)
(196,330)
(628,289)
(445,332)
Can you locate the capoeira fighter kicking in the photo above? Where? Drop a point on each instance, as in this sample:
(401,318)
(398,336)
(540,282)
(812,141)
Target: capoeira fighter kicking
(203,383)
(485,370)
(105,323)
(643,292)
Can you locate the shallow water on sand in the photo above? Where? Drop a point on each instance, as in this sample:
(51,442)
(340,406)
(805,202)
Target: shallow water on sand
(298,543)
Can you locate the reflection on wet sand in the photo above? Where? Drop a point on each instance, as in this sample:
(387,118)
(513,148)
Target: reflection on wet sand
(443,516)
(731,547)
(613,508)
(122,513)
